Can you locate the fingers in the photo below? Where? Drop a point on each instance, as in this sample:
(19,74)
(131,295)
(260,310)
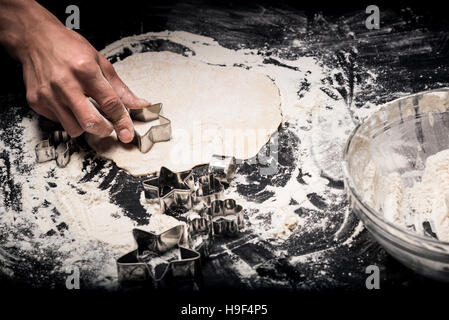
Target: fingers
(60,95)
(46,112)
(76,116)
(45,103)
(88,117)
(86,114)
(101,91)
(130,100)
(68,121)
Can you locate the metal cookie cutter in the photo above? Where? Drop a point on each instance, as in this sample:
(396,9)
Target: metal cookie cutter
(199,231)
(58,147)
(157,133)
(226,217)
(222,167)
(195,221)
(209,189)
(178,191)
(173,190)
(161,259)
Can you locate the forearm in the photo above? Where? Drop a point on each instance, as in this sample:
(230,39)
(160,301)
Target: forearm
(20,25)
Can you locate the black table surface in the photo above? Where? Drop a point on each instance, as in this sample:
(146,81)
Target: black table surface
(410,53)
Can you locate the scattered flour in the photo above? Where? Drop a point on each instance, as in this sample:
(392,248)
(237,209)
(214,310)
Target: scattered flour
(54,200)
(78,221)
(321,122)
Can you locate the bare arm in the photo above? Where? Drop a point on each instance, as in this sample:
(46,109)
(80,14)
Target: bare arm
(61,69)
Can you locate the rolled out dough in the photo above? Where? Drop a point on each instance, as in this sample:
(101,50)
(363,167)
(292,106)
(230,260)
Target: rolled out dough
(213,110)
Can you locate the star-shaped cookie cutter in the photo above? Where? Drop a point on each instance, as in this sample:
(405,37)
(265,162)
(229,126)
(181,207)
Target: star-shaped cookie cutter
(59,146)
(203,216)
(157,133)
(153,260)
(177,192)
(173,190)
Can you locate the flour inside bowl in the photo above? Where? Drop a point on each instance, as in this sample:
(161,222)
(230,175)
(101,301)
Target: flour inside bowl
(423,207)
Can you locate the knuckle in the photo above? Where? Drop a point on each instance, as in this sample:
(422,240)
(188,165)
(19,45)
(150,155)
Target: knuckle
(32,98)
(125,90)
(107,65)
(123,123)
(84,65)
(43,94)
(90,122)
(112,106)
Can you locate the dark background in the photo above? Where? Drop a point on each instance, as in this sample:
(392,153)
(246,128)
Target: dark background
(103,22)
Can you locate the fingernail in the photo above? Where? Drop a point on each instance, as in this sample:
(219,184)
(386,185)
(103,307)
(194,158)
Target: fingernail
(144,102)
(126,135)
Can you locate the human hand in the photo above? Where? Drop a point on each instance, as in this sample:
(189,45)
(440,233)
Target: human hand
(61,69)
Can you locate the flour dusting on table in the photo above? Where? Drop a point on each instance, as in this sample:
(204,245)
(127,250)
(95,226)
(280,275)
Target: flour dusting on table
(66,219)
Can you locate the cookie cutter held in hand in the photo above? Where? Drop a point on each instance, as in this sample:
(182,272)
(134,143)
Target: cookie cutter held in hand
(157,133)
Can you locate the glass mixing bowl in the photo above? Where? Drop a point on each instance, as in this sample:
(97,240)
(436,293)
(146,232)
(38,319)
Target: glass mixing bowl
(399,138)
